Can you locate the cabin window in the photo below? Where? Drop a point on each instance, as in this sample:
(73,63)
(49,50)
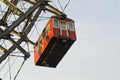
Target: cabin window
(70,26)
(63,25)
(56,23)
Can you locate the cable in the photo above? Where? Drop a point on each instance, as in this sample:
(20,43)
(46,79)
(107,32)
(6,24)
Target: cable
(66,5)
(3,66)
(17,55)
(3,11)
(22,5)
(54,5)
(35,27)
(9,67)
(19,69)
(60,5)
(43,19)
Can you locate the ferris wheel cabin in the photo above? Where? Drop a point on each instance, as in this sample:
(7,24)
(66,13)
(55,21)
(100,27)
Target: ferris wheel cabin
(55,40)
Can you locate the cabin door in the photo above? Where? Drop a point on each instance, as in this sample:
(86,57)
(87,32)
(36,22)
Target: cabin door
(63,28)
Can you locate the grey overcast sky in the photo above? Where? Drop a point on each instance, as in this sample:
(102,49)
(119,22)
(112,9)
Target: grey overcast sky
(96,53)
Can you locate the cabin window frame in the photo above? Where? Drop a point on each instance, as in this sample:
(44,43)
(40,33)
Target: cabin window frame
(71,28)
(54,23)
(62,28)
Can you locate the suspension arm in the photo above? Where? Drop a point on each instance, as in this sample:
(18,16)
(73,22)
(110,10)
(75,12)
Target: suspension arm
(53,10)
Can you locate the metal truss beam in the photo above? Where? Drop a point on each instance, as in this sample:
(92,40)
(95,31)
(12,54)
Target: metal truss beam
(21,18)
(13,47)
(40,5)
(12,7)
(28,29)
(9,10)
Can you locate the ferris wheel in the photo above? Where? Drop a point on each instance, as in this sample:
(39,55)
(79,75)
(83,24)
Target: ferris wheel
(19,32)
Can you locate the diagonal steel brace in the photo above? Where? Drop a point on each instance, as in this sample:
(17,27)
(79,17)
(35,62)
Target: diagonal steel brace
(27,54)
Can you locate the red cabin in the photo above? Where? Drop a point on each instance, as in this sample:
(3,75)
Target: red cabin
(55,40)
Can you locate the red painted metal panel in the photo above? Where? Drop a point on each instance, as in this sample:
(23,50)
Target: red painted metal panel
(36,55)
(43,41)
(56,31)
(64,33)
(72,35)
